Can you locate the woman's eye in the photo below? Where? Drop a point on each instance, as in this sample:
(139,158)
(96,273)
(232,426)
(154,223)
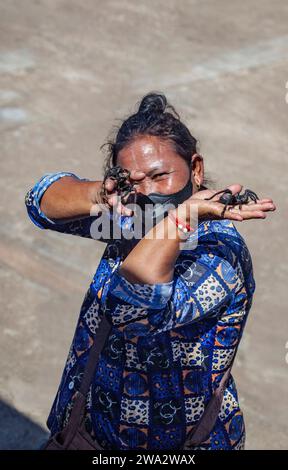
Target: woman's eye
(160,174)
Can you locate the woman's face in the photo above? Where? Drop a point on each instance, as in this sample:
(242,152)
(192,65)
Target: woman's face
(159,167)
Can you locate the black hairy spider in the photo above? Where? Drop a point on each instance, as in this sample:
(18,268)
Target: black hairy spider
(229,199)
(121,175)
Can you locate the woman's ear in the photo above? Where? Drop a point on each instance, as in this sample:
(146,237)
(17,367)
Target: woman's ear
(197,169)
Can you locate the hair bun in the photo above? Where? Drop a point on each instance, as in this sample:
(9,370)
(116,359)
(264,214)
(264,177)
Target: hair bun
(153,103)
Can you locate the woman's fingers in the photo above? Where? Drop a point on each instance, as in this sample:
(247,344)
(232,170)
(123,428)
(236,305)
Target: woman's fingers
(256,211)
(246,214)
(116,204)
(235,188)
(263,206)
(110,184)
(114,198)
(137,175)
(213,210)
(231,215)
(115,201)
(260,201)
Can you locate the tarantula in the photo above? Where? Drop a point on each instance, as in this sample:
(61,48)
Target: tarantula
(229,199)
(121,175)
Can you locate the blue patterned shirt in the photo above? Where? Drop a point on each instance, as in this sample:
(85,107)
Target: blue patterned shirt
(169,345)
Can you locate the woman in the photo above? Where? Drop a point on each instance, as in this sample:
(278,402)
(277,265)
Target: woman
(177,314)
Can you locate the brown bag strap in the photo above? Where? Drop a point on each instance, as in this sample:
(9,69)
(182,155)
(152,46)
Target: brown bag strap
(96,349)
(77,412)
(208,419)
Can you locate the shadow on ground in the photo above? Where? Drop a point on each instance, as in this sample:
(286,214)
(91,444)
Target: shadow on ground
(19,432)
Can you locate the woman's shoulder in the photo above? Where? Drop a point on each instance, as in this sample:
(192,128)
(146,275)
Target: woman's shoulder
(222,232)
(224,226)
(220,239)
(217,232)
(231,245)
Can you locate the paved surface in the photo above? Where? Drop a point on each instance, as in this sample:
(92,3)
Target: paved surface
(68,71)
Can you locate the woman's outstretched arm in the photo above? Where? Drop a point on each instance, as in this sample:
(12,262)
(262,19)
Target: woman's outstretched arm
(62,211)
(65,203)
(69,197)
(159,253)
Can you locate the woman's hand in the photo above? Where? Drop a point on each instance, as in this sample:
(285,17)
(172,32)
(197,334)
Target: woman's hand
(212,209)
(112,199)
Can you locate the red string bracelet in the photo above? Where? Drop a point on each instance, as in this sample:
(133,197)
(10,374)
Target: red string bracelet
(185,228)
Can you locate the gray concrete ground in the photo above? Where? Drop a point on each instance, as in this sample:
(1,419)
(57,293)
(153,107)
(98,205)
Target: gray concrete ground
(68,70)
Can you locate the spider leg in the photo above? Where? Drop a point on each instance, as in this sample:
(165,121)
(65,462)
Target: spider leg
(254,198)
(252,195)
(218,192)
(224,209)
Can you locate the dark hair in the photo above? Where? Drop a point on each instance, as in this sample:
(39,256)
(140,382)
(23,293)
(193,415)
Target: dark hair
(155,116)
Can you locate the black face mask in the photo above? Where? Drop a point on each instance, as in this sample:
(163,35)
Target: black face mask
(166,199)
(157,205)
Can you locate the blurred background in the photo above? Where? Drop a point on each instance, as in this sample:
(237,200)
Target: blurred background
(70,70)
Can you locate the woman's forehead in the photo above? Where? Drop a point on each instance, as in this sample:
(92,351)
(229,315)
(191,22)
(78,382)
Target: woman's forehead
(148,153)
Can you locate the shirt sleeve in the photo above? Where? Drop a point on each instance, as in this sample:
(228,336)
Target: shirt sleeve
(76,226)
(204,285)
